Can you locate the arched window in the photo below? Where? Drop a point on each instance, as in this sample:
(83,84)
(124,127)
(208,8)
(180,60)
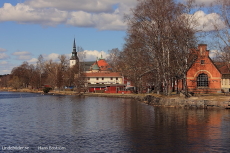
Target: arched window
(202,80)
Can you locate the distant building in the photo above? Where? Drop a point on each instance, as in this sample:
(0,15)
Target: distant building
(74,58)
(98,75)
(101,78)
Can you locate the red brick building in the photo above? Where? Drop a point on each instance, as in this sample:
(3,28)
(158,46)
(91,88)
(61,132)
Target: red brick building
(203,75)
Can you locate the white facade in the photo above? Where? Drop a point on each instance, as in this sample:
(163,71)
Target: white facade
(104,80)
(72,63)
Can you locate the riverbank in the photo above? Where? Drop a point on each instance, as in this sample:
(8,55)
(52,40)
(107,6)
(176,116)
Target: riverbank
(204,101)
(208,101)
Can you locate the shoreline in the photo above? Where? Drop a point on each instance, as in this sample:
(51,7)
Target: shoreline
(218,101)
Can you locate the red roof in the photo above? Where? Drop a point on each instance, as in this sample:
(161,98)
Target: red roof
(102,64)
(225,69)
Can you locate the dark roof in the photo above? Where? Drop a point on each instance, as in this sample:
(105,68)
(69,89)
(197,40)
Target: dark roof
(87,65)
(223,68)
(225,76)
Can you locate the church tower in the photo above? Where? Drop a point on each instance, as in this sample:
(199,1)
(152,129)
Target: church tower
(74,59)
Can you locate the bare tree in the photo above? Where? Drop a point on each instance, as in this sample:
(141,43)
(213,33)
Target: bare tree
(15,82)
(114,59)
(4,81)
(40,68)
(51,69)
(157,35)
(221,32)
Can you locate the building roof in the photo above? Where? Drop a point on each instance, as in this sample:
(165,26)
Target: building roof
(95,67)
(102,64)
(223,68)
(103,74)
(87,65)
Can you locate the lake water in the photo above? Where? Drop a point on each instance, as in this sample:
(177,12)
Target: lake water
(71,124)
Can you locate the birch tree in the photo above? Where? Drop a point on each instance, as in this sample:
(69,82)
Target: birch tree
(165,36)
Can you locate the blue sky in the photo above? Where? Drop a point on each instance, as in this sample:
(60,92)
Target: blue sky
(29,28)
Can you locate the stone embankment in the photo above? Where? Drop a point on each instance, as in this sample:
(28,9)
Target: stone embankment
(192,102)
(202,102)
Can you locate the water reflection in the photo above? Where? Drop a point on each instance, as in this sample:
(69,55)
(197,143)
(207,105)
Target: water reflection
(97,124)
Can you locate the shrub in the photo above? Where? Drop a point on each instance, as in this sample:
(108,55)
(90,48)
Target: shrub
(46,89)
(68,89)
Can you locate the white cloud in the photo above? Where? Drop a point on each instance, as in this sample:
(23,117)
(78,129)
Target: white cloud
(3,62)
(105,21)
(81,19)
(3,56)
(32,60)
(213,53)
(6,67)
(102,21)
(92,55)
(83,5)
(87,55)
(206,22)
(24,55)
(20,53)
(101,14)
(52,56)
(5,71)
(2,50)
(25,14)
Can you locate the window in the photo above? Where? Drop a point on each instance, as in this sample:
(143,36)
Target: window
(111,78)
(116,78)
(202,61)
(88,78)
(102,78)
(97,78)
(202,80)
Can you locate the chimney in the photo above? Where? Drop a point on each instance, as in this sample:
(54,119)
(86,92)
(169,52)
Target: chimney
(202,48)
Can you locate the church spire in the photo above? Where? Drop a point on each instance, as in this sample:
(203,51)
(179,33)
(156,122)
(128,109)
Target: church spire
(74,59)
(74,46)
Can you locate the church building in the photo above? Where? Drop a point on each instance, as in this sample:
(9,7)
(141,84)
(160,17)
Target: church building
(74,58)
(98,75)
